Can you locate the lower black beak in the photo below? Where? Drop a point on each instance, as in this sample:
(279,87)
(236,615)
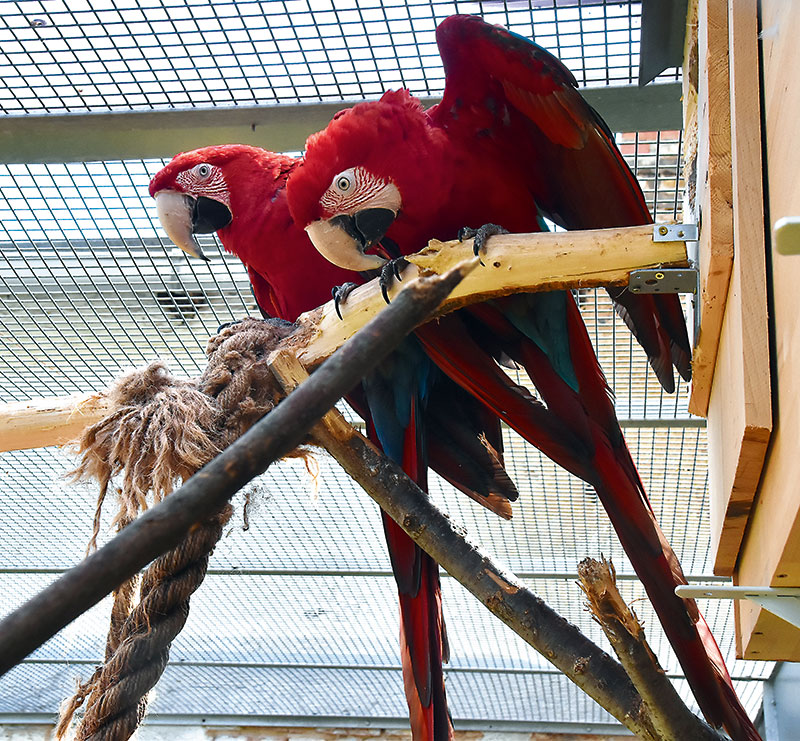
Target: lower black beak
(366,227)
(209,215)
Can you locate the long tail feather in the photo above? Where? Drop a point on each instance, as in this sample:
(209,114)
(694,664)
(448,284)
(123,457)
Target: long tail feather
(394,394)
(578,429)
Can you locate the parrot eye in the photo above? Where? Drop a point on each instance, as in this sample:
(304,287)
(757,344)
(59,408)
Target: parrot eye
(203,170)
(343,183)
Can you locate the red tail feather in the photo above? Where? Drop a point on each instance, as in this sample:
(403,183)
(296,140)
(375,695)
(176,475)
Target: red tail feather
(423,645)
(579,430)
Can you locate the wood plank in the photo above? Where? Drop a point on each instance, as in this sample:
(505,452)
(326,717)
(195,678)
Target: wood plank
(710,199)
(38,423)
(771,549)
(740,406)
(512,262)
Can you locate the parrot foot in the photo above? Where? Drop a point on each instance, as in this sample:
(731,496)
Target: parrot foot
(340,294)
(480,236)
(389,271)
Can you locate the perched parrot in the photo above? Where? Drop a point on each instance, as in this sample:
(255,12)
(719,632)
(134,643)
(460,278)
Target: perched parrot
(511,142)
(413,410)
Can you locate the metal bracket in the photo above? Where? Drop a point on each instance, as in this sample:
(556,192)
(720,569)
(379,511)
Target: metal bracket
(675,232)
(667,280)
(782,601)
(664,280)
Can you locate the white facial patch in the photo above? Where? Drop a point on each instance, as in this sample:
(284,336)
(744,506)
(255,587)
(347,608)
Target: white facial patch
(355,189)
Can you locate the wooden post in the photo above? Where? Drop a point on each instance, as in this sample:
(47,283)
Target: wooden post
(708,176)
(770,553)
(740,406)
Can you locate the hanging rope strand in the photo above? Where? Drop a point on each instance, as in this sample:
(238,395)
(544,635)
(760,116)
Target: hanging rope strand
(142,655)
(161,431)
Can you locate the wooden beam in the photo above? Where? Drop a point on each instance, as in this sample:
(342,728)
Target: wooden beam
(512,263)
(770,554)
(708,170)
(740,406)
(86,137)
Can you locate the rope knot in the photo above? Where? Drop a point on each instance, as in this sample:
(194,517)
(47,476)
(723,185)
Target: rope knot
(160,431)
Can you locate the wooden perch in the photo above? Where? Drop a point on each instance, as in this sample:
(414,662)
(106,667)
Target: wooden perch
(512,263)
(671,719)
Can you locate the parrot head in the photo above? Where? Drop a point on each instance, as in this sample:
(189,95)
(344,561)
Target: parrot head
(202,191)
(358,175)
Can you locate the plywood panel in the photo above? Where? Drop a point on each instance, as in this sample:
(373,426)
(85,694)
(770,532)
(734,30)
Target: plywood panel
(771,549)
(740,412)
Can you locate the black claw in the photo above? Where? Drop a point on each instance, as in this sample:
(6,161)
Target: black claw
(390,270)
(340,294)
(480,236)
(466,232)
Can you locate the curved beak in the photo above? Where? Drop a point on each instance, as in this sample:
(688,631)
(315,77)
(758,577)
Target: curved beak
(183,216)
(343,239)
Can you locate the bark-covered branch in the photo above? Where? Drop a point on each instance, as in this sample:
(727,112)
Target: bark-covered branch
(560,642)
(165,525)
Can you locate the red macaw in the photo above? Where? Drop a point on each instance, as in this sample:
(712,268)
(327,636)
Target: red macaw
(512,141)
(239,192)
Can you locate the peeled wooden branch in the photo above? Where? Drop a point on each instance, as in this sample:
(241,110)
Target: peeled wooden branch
(512,263)
(165,525)
(671,719)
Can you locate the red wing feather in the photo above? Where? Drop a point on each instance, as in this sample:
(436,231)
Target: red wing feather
(503,87)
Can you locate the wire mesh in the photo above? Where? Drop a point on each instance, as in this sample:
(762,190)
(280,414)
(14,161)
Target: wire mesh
(298,615)
(60,56)
(92,286)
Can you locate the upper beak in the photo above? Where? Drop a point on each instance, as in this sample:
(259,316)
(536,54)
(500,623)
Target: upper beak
(343,239)
(183,216)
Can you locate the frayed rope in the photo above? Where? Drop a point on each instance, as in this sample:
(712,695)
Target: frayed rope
(160,431)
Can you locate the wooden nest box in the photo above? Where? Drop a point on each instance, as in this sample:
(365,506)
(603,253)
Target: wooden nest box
(742,166)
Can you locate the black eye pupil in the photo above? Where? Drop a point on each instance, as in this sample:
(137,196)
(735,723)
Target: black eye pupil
(344,183)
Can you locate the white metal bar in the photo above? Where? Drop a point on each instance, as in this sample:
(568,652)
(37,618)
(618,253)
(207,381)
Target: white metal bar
(781,601)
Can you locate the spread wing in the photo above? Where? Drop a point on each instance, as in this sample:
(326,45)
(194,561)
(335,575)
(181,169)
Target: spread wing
(511,98)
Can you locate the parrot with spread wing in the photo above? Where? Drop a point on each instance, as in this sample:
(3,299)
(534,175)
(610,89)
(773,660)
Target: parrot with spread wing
(513,143)
(416,413)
